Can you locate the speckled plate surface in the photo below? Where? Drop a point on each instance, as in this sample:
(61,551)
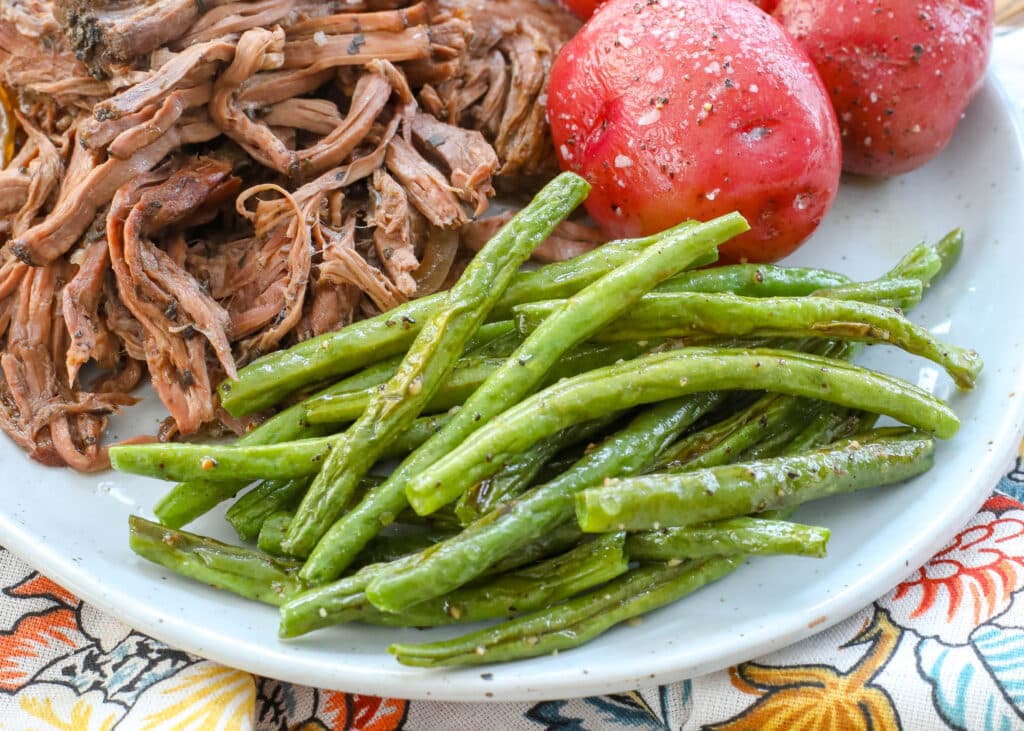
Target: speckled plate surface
(73,528)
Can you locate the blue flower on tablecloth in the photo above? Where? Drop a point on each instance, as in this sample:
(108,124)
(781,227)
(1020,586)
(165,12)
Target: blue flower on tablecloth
(657,709)
(1012,483)
(979,685)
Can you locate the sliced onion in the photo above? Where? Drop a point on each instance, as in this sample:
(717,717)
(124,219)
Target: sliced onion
(438,255)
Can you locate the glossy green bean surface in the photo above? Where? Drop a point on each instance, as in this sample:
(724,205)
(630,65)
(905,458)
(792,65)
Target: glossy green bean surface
(727,491)
(428,362)
(668,375)
(537,513)
(521,374)
(572,623)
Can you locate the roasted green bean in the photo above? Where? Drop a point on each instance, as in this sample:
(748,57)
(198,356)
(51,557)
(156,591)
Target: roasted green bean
(680,314)
(731,537)
(525,590)
(667,375)
(428,362)
(653,501)
(521,374)
(242,571)
(574,622)
(505,533)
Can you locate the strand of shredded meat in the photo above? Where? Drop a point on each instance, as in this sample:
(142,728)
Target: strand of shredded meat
(195,184)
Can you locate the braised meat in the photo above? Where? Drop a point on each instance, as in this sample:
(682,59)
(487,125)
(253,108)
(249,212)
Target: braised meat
(195,184)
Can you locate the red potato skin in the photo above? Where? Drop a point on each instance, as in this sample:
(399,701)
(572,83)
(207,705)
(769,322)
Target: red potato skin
(582,9)
(678,109)
(900,72)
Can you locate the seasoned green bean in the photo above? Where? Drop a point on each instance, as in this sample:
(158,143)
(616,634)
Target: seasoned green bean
(525,590)
(271,378)
(726,440)
(246,515)
(242,571)
(899,293)
(574,622)
(272,532)
(731,537)
(187,501)
(652,501)
(520,473)
(521,374)
(887,292)
(667,375)
(681,314)
(428,362)
(468,375)
(409,539)
(504,534)
(754,280)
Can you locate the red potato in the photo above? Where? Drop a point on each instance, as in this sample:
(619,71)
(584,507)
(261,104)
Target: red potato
(900,72)
(693,108)
(583,9)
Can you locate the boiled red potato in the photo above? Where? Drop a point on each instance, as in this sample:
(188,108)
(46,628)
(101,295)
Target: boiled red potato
(683,109)
(583,9)
(900,72)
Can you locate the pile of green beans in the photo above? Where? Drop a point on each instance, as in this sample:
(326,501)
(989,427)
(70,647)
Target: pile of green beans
(575,445)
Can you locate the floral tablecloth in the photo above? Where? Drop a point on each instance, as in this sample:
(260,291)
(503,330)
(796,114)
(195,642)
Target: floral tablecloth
(944,649)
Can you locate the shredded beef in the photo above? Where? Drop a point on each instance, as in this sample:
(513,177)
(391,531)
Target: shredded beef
(198,183)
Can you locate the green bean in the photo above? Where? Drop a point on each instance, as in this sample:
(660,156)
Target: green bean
(521,374)
(428,362)
(922,262)
(242,571)
(444,519)
(512,479)
(731,537)
(682,313)
(187,501)
(500,347)
(554,541)
(667,375)
(724,441)
(727,491)
(407,540)
(754,280)
(269,379)
(272,532)
(774,443)
(505,533)
(572,623)
(829,423)
(468,375)
(887,292)
(525,590)
(341,592)
(247,514)
(949,248)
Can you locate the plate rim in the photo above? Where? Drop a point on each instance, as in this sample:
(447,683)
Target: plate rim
(660,669)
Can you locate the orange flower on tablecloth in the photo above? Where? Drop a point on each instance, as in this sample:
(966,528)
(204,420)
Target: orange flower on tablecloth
(968,583)
(338,711)
(819,696)
(34,643)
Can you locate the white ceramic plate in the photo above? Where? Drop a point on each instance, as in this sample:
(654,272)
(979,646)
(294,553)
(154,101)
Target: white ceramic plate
(73,528)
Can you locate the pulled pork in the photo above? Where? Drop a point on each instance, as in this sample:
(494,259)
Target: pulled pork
(195,184)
